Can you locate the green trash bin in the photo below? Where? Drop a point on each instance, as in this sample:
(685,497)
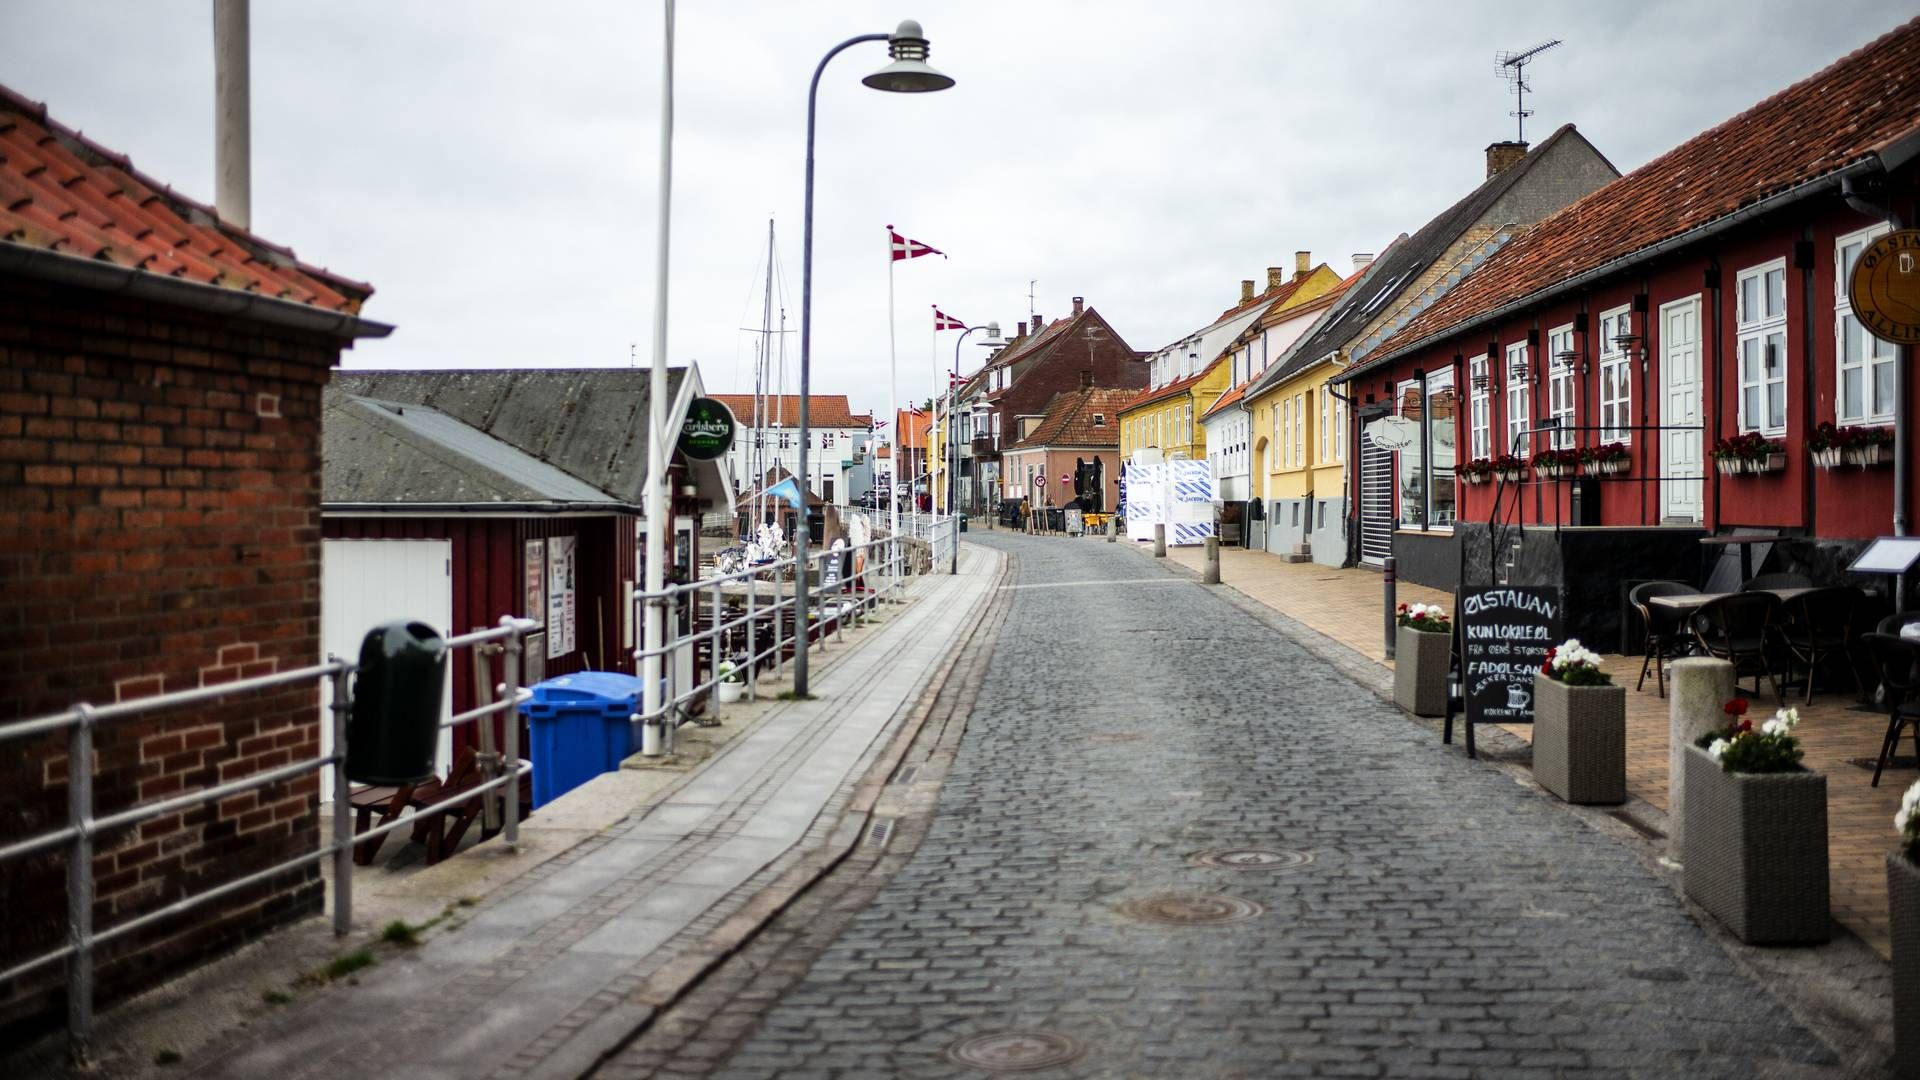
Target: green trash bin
(394,727)
(963,523)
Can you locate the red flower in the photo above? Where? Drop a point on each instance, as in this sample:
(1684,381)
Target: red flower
(1403,607)
(1737,707)
(1745,728)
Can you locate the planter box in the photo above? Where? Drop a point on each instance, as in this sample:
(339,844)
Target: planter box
(1868,456)
(1420,671)
(1903,906)
(1610,467)
(1580,741)
(1826,459)
(1755,851)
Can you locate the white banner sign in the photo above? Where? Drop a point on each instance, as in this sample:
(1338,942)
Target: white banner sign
(560,598)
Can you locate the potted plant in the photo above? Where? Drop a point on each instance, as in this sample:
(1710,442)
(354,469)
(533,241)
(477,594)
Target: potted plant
(1422,646)
(1754,850)
(1556,464)
(1477,471)
(1825,445)
(1579,727)
(733,682)
(1509,469)
(1751,452)
(1867,446)
(1608,460)
(1903,909)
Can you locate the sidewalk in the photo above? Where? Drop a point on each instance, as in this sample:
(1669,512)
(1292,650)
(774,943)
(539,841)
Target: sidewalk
(1345,605)
(568,953)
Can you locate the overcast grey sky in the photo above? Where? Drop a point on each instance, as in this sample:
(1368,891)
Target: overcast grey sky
(490,167)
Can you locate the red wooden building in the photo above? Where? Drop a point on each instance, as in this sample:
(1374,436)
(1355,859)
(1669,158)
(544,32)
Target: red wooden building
(1697,299)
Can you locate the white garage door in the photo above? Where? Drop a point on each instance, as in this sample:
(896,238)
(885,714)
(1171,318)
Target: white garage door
(364,583)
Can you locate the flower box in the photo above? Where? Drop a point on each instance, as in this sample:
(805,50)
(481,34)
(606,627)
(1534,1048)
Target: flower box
(1580,741)
(1868,456)
(1755,851)
(1609,467)
(1420,662)
(1510,476)
(1473,478)
(1826,459)
(1774,461)
(1903,909)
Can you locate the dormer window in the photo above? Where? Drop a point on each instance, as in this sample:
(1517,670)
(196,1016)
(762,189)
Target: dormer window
(1099,419)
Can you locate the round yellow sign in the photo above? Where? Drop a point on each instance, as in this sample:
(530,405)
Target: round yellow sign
(1885,289)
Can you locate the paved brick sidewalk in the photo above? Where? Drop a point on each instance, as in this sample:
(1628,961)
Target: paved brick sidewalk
(542,980)
(1426,918)
(1345,605)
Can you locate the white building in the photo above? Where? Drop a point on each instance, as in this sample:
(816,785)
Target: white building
(838,439)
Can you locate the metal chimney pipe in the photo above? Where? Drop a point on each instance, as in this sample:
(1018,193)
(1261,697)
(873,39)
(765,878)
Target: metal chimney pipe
(232,115)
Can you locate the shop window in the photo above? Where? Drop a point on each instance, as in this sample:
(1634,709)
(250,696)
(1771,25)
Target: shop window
(1560,391)
(1519,400)
(1866,382)
(1616,376)
(1419,507)
(1479,409)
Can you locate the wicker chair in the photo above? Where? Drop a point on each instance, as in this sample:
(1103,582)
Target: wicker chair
(1663,634)
(1818,626)
(1896,657)
(1779,580)
(1739,628)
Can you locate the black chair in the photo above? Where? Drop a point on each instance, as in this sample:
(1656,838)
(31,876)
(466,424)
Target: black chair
(1739,628)
(1779,580)
(1896,658)
(1818,626)
(1894,623)
(1663,633)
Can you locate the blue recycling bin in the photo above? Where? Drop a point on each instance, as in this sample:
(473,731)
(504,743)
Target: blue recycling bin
(578,728)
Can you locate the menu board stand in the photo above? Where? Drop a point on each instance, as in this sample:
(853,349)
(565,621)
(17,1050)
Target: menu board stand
(1503,633)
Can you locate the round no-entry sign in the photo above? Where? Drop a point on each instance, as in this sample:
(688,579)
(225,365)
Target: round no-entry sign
(1065,479)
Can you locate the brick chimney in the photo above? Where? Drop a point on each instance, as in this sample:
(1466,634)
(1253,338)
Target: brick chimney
(1362,260)
(1302,264)
(1502,156)
(1079,305)
(1246,291)
(1276,277)
(1038,322)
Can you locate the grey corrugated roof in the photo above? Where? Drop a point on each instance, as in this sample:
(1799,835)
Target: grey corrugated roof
(589,422)
(390,453)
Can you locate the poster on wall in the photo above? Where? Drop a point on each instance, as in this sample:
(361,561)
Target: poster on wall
(536,577)
(561,552)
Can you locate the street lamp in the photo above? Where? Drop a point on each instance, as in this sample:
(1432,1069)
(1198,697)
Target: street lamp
(908,74)
(993,341)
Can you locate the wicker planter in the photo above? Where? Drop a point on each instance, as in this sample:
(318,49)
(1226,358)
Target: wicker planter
(1903,906)
(1755,853)
(1580,741)
(1420,671)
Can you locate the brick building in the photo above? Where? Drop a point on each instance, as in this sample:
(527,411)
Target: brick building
(160,381)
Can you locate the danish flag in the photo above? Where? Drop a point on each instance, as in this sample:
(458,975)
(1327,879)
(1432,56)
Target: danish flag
(904,248)
(944,321)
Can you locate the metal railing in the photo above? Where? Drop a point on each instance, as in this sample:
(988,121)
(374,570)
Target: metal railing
(82,828)
(766,596)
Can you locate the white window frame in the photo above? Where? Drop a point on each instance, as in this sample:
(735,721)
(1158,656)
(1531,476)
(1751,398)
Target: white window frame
(1286,432)
(1519,400)
(1323,424)
(1340,422)
(1616,408)
(1756,329)
(1299,429)
(1273,441)
(1561,397)
(1479,409)
(1879,359)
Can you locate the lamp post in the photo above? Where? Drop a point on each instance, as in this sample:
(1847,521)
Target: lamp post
(907,74)
(993,341)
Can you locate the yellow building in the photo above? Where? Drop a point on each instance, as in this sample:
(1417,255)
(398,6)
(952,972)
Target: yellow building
(1167,418)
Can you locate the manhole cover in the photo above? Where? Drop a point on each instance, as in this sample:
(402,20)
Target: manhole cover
(1114,737)
(1191,909)
(1016,1051)
(1251,859)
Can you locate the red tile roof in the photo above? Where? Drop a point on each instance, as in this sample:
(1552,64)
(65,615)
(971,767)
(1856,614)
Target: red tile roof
(1855,108)
(62,192)
(1069,419)
(823,410)
(1227,399)
(1160,393)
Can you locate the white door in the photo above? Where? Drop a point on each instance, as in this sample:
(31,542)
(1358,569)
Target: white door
(1681,456)
(364,583)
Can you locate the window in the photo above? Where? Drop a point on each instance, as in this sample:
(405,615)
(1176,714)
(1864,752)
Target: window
(1286,432)
(786,440)
(1560,393)
(1865,393)
(1418,507)
(1340,422)
(1099,419)
(1299,429)
(1324,395)
(1479,409)
(1273,438)
(1761,319)
(1519,403)
(1189,437)
(1616,376)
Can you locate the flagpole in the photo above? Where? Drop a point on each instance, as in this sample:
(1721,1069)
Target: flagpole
(893,407)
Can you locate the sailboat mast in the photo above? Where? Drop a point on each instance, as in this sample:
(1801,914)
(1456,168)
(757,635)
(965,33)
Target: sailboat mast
(759,419)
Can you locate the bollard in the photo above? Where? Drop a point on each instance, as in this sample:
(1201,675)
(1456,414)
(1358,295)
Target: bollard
(1389,589)
(1110,530)
(1212,573)
(1701,687)
(1160,541)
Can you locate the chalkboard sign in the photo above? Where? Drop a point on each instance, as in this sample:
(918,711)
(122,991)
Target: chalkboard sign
(1505,632)
(830,573)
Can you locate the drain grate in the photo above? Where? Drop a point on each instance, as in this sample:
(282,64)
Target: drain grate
(1191,909)
(1636,825)
(1251,858)
(1016,1051)
(879,831)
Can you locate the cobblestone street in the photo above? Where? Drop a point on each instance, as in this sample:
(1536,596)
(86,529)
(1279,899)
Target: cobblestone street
(1374,904)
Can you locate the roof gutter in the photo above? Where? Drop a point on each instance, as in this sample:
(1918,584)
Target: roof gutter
(46,265)
(428,509)
(1896,154)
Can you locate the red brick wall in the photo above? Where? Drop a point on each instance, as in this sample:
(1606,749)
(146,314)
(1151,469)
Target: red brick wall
(159,530)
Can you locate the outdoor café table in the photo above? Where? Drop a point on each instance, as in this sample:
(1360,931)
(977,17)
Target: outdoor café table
(1687,603)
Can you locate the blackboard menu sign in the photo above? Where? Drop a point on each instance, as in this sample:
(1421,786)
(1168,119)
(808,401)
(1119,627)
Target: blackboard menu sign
(830,573)
(1505,632)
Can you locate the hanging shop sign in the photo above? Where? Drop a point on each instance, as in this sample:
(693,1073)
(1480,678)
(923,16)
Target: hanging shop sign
(1885,287)
(707,432)
(1505,632)
(1393,432)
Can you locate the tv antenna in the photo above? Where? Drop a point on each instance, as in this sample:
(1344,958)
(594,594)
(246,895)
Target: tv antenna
(1030,286)
(1512,66)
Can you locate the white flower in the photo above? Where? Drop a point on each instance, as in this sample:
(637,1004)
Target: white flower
(1788,718)
(1902,819)
(1718,748)
(1775,726)
(1912,798)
